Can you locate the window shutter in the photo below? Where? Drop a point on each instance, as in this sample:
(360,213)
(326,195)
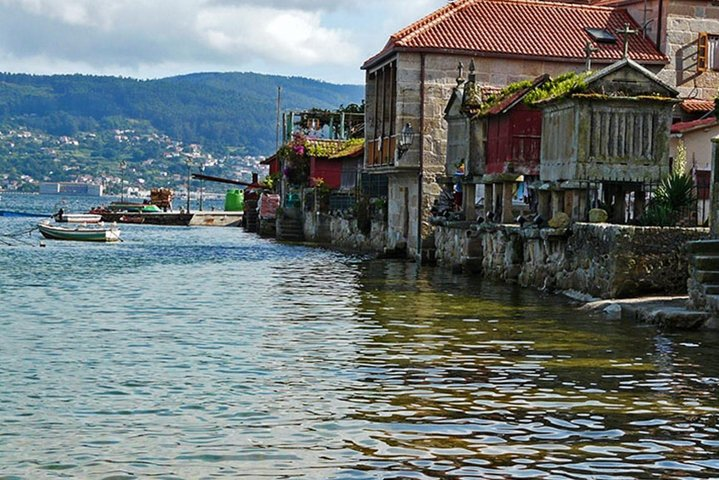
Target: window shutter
(702,52)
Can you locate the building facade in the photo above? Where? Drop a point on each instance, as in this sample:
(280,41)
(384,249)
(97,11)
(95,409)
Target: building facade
(413,76)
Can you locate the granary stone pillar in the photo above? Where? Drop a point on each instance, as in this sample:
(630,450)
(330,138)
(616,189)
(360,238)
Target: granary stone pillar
(488,199)
(507,194)
(714,189)
(469,192)
(557,202)
(576,204)
(544,208)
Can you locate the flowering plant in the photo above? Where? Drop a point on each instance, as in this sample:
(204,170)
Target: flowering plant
(296,165)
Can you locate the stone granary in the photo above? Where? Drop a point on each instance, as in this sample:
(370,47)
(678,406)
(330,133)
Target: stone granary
(499,135)
(603,141)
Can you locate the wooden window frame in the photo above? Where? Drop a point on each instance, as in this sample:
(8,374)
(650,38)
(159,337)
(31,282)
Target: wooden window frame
(703,52)
(707,52)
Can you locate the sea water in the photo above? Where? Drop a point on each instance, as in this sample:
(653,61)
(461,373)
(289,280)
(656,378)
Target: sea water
(198,353)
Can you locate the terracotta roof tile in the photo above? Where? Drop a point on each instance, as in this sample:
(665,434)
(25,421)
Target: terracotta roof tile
(683,127)
(697,106)
(523,28)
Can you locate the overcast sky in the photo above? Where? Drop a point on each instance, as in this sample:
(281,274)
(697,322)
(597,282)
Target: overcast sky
(322,39)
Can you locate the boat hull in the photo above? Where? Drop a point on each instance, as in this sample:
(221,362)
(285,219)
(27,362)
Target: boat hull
(79,233)
(80,218)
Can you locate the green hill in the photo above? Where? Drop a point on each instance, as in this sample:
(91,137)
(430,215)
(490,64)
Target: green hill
(217,110)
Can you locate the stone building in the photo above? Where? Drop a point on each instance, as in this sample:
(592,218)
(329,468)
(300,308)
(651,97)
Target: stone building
(687,32)
(411,78)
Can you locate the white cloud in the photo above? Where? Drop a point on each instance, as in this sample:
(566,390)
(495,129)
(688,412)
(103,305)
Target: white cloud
(291,36)
(327,40)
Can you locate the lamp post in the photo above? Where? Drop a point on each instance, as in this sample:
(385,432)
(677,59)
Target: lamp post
(123,166)
(406,136)
(189,167)
(202,183)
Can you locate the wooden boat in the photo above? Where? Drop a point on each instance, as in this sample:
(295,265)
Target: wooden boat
(79,218)
(96,232)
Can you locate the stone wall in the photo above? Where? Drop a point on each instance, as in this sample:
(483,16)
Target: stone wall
(458,246)
(343,233)
(602,260)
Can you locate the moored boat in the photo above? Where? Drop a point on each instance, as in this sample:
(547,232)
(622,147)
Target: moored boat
(79,218)
(96,232)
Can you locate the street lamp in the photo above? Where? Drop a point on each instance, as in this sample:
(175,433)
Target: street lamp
(406,137)
(123,166)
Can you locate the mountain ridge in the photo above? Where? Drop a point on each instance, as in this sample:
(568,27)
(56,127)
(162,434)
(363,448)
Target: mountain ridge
(215,109)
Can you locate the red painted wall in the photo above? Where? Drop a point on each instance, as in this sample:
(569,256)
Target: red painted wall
(514,137)
(329,170)
(274,166)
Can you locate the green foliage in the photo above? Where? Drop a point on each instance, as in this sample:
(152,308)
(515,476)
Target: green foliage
(510,89)
(565,84)
(658,215)
(675,194)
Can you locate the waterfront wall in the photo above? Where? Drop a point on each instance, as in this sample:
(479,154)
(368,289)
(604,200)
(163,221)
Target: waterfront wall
(343,232)
(602,260)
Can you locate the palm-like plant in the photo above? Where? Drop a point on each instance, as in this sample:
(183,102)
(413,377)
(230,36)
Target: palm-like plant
(675,193)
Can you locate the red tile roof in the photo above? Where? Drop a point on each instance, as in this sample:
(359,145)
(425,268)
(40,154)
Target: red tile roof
(520,28)
(683,127)
(697,106)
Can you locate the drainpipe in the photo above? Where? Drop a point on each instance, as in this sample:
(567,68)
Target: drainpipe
(660,24)
(420,175)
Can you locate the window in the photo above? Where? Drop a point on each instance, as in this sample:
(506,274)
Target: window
(707,52)
(601,35)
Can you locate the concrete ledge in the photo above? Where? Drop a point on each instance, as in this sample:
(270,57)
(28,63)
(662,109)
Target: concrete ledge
(666,313)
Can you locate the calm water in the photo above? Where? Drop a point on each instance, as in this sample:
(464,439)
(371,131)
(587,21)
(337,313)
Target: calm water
(191,353)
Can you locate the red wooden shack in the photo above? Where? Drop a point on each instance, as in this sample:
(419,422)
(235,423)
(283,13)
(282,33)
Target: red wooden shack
(514,133)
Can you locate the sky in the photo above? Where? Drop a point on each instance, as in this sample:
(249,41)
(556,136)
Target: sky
(321,39)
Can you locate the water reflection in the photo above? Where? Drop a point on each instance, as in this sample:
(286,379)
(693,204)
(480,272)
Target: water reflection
(197,353)
(472,381)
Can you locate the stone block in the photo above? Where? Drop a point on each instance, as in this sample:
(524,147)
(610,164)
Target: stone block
(598,215)
(559,220)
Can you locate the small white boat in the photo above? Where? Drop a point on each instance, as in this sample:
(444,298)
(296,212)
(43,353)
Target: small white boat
(94,232)
(78,218)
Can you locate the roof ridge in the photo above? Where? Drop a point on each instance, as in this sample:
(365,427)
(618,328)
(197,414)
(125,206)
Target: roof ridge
(550,4)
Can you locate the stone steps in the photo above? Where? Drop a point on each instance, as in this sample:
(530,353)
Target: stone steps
(712,303)
(290,229)
(705,262)
(704,247)
(707,277)
(704,272)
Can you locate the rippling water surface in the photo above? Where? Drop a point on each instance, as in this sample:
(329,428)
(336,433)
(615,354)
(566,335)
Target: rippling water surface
(198,353)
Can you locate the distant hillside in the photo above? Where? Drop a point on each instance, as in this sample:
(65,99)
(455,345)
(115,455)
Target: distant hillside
(217,110)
